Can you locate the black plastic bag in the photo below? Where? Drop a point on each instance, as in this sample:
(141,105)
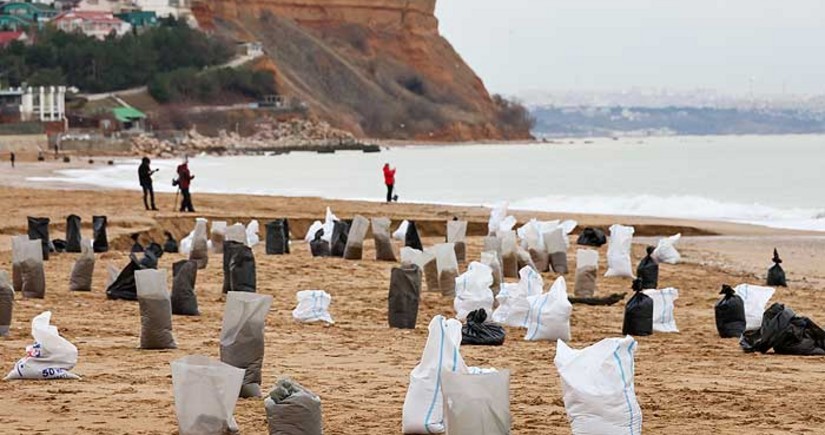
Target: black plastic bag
(638,313)
(136,246)
(73,235)
(184,300)
(170,245)
(59,245)
(776,275)
(39,230)
(124,286)
(730,314)
(411,238)
(318,247)
(480,333)
(151,256)
(592,237)
(404,295)
(786,333)
(238,268)
(338,243)
(277,238)
(100,242)
(648,271)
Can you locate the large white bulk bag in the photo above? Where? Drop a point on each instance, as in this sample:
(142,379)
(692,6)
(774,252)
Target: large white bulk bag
(549,317)
(472,290)
(756,299)
(447,265)
(206,392)
(329,225)
(666,252)
(597,382)
(618,251)
(513,306)
(310,235)
(401,232)
(477,404)
(252,237)
(423,410)
(313,306)
(499,219)
(664,319)
(50,357)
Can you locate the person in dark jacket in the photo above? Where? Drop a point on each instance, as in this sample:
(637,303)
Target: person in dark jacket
(145,177)
(184,181)
(389,180)
(12,157)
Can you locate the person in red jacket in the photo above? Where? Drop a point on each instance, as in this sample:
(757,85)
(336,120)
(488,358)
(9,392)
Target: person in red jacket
(389,180)
(184,181)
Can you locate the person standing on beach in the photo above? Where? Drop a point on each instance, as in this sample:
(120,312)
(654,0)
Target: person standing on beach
(389,180)
(184,181)
(145,177)
(12,157)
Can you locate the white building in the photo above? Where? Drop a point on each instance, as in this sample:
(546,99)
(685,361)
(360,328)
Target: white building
(44,104)
(165,8)
(91,23)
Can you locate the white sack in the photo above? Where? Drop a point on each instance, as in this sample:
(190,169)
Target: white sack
(472,290)
(618,251)
(313,306)
(513,306)
(756,299)
(549,317)
(50,357)
(664,319)
(666,252)
(477,404)
(206,392)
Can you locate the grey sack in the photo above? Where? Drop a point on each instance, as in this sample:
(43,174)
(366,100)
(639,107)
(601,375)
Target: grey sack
(242,337)
(292,409)
(184,301)
(405,291)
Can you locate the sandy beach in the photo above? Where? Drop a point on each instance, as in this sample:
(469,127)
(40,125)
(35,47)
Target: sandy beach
(690,382)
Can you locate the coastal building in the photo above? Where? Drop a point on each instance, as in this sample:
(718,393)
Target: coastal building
(139,19)
(39,104)
(13,23)
(30,12)
(7,37)
(95,24)
(111,6)
(166,8)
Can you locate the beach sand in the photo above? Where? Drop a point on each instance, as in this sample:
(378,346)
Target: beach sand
(691,382)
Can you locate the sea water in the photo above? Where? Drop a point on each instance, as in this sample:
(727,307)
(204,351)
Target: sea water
(771,180)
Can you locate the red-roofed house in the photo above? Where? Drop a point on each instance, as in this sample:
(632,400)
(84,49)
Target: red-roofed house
(92,23)
(7,38)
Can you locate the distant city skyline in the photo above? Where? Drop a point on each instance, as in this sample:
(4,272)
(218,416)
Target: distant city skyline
(734,47)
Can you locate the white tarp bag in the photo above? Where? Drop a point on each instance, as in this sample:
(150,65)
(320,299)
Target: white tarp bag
(50,357)
(236,233)
(242,337)
(206,392)
(509,253)
(666,252)
(401,232)
(472,290)
(313,306)
(252,237)
(155,305)
(549,317)
(447,264)
(457,235)
(587,270)
(477,404)
(187,243)
(423,410)
(568,226)
(425,260)
(329,225)
(556,243)
(618,251)
(755,299)
(663,305)
(513,306)
(199,245)
(598,387)
(310,236)
(217,235)
(490,258)
(499,220)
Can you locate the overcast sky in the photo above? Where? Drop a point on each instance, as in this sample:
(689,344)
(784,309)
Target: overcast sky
(523,45)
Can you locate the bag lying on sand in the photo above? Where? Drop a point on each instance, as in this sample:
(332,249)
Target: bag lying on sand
(50,357)
(100,241)
(155,310)
(755,299)
(592,237)
(170,245)
(776,275)
(423,410)
(477,332)
(6,303)
(338,244)
(32,274)
(638,313)
(318,246)
(587,270)
(123,286)
(217,235)
(598,385)
(447,268)
(472,290)
(73,233)
(292,409)
(39,230)
(730,314)
(206,392)
(400,233)
(666,252)
(786,333)
(404,294)
(277,237)
(549,316)
(648,270)
(457,235)
(664,319)
(381,236)
(83,269)
(411,238)
(59,245)
(477,404)
(200,248)
(491,260)
(556,244)
(313,306)
(509,254)
(242,337)
(425,260)
(354,249)
(184,301)
(513,305)
(618,251)
(613,299)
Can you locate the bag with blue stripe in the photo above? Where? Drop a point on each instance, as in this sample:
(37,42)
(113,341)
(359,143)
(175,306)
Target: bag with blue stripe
(598,387)
(664,319)
(549,315)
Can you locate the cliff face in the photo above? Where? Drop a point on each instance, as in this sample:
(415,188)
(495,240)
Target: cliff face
(378,68)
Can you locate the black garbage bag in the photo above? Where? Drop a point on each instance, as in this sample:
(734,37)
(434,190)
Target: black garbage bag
(136,246)
(648,271)
(238,268)
(480,333)
(411,238)
(730,314)
(613,299)
(124,287)
(786,333)
(151,256)
(39,230)
(277,240)
(292,409)
(59,245)
(776,275)
(170,245)
(638,313)
(405,293)
(100,241)
(338,243)
(73,235)
(592,237)
(318,247)
(184,300)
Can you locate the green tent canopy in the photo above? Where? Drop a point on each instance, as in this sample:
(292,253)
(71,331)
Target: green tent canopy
(128,114)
